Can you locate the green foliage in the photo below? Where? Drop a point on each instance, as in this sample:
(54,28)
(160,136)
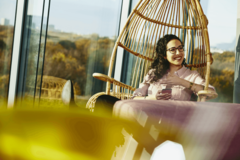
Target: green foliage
(226,56)
(6,39)
(67,44)
(223,83)
(222,76)
(2,44)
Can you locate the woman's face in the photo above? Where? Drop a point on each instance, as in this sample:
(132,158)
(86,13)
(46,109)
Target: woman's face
(173,55)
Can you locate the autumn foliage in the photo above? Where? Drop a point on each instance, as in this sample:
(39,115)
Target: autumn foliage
(78,60)
(222,76)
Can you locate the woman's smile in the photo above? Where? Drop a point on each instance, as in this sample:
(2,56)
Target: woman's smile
(175,55)
(178,58)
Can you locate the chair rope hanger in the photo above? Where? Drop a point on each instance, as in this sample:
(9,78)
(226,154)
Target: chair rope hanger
(150,20)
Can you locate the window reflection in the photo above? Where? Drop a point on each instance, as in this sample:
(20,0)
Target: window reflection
(7,17)
(81,36)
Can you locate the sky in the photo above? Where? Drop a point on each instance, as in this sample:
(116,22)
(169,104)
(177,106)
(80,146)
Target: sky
(7,10)
(222,18)
(88,16)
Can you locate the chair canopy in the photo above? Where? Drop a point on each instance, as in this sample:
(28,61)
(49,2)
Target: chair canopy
(151,20)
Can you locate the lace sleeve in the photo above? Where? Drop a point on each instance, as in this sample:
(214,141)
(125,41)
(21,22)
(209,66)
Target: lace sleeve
(143,87)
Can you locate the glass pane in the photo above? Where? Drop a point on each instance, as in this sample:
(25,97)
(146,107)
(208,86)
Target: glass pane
(223,39)
(34,34)
(133,4)
(42,50)
(129,59)
(81,37)
(7,17)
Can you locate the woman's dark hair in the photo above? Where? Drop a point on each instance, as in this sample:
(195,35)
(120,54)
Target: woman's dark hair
(160,64)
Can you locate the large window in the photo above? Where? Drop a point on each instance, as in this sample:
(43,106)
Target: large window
(222,17)
(7,20)
(81,36)
(71,40)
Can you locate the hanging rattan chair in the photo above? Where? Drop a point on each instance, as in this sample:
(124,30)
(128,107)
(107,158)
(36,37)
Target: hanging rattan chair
(150,20)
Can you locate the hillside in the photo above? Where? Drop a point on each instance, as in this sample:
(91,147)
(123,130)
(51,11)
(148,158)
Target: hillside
(222,76)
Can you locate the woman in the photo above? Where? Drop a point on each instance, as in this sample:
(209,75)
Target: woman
(168,72)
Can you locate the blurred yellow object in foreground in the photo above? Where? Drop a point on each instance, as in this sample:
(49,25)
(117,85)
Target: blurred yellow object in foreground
(60,135)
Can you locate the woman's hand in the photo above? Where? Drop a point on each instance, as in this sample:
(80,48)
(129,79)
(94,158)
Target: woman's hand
(173,79)
(163,96)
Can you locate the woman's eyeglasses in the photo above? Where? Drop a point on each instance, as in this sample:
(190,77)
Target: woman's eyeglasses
(173,49)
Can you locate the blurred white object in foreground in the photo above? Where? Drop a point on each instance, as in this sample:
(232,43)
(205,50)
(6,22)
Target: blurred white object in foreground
(168,150)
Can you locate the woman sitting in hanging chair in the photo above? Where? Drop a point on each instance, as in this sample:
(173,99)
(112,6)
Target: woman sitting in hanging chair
(168,78)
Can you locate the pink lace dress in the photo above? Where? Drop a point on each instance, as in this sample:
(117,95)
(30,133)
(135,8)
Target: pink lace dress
(178,92)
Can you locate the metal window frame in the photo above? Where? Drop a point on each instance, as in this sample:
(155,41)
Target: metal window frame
(17,39)
(18,61)
(45,41)
(120,51)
